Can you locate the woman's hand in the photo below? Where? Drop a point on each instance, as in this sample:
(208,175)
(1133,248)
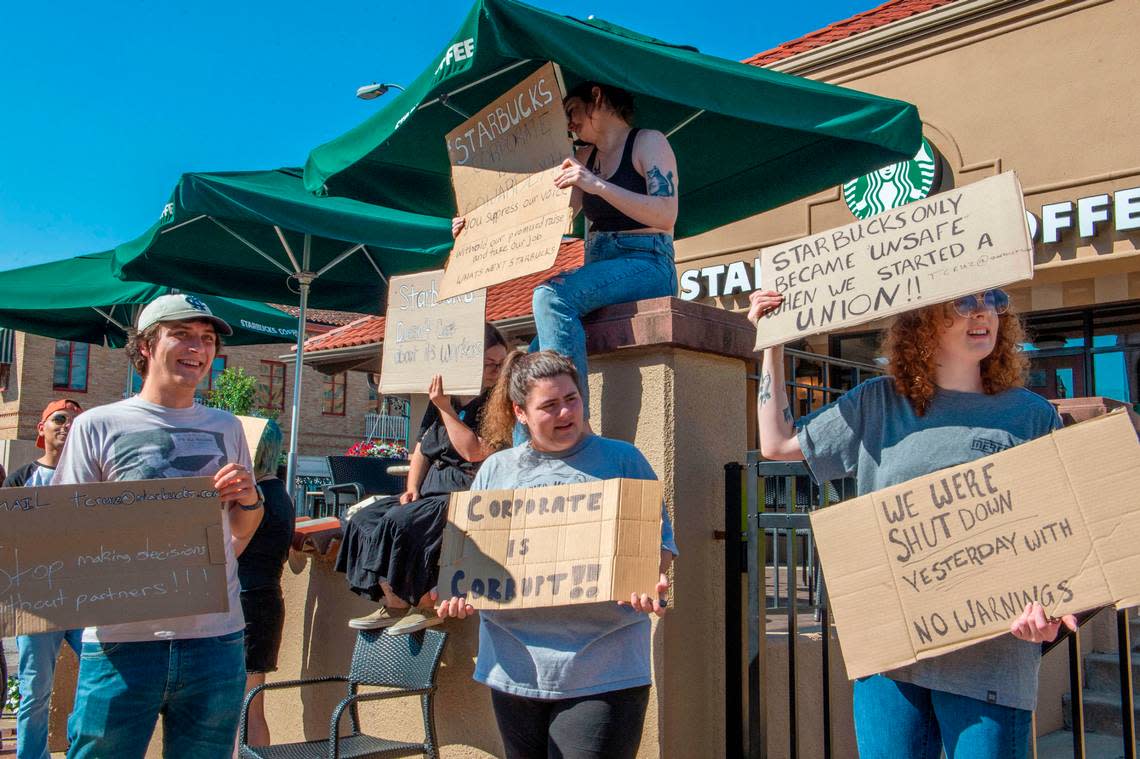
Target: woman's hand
(436,394)
(457,225)
(409,495)
(575,174)
(650,605)
(1033,626)
(456,607)
(763,302)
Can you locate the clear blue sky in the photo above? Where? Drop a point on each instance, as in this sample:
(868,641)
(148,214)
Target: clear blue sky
(104,105)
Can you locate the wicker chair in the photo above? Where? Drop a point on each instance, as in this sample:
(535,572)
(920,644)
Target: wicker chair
(355,477)
(406,664)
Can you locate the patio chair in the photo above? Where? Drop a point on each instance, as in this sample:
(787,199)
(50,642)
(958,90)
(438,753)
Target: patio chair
(405,664)
(354,477)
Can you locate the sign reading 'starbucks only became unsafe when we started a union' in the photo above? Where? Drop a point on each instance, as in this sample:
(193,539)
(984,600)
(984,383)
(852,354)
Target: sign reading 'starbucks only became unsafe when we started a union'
(958,242)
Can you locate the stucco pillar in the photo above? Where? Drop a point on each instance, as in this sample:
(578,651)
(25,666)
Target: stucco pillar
(670,377)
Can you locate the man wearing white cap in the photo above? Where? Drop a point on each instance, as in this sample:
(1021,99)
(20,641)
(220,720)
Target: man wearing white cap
(190,669)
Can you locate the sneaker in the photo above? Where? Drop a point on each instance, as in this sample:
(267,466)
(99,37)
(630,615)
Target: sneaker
(414,622)
(379,619)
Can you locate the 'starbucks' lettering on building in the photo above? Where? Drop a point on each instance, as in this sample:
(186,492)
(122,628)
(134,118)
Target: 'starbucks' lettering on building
(892,186)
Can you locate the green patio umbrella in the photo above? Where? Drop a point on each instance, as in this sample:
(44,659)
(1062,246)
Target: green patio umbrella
(261,235)
(80,299)
(747,139)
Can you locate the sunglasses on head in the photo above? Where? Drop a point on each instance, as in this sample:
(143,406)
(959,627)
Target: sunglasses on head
(991,300)
(60,419)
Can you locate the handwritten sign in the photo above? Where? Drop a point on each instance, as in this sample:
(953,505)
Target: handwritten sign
(107,553)
(951,244)
(254,428)
(950,559)
(426,335)
(552,546)
(504,160)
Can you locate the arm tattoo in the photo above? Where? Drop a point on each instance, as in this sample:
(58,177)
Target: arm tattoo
(788,414)
(765,388)
(660,184)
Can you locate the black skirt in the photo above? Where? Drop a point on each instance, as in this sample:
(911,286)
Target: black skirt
(400,544)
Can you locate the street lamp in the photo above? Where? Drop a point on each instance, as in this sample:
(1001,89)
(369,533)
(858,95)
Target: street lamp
(374,90)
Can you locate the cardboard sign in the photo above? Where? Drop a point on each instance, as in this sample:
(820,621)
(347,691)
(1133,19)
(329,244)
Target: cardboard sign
(425,335)
(254,428)
(521,132)
(950,559)
(552,546)
(504,160)
(112,552)
(957,242)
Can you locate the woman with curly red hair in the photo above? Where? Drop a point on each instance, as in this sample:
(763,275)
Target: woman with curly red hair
(953,394)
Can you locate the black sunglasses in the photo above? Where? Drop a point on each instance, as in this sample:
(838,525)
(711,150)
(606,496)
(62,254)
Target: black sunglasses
(992,300)
(60,419)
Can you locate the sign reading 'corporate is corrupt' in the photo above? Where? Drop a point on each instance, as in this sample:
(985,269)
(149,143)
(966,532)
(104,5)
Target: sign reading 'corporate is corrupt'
(955,243)
(425,335)
(552,546)
(950,559)
(504,160)
(112,552)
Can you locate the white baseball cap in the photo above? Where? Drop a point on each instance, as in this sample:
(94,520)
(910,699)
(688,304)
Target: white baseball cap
(180,307)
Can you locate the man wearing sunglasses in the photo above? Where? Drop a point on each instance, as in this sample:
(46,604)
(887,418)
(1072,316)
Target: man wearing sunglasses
(38,652)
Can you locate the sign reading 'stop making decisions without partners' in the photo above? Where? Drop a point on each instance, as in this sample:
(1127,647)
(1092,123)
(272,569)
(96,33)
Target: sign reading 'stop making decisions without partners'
(426,335)
(551,546)
(107,553)
(950,559)
(503,163)
(955,243)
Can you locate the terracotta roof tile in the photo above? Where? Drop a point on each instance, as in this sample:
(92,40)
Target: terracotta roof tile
(895,10)
(505,301)
(320,315)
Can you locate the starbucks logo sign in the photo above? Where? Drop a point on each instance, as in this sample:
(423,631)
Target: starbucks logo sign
(893,186)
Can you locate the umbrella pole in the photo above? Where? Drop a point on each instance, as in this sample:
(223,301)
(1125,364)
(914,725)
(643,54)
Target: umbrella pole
(304,279)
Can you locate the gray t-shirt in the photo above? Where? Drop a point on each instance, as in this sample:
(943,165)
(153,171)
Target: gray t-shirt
(566,651)
(873,434)
(138,440)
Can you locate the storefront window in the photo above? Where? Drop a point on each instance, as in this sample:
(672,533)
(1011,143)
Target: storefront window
(1084,353)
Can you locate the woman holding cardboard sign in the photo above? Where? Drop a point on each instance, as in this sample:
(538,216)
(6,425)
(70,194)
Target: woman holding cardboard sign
(954,394)
(625,181)
(569,681)
(390,551)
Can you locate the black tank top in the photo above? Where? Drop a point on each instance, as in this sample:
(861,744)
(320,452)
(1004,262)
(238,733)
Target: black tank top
(604,217)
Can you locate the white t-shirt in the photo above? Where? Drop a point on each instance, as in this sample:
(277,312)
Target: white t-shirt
(138,440)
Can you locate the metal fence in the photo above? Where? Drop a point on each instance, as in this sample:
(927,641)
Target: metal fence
(385,427)
(768,540)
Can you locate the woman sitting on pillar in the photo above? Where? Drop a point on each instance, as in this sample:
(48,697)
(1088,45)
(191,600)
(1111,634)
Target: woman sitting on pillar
(390,551)
(625,181)
(567,681)
(954,393)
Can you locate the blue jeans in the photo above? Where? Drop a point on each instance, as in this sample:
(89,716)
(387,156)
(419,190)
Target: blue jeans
(37,673)
(619,268)
(896,720)
(196,684)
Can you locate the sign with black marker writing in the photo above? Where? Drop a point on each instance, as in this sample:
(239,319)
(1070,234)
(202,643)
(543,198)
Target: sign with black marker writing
(503,163)
(426,334)
(112,552)
(957,242)
(552,546)
(951,559)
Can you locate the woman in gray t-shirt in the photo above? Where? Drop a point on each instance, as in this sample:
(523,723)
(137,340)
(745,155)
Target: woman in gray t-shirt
(954,394)
(570,681)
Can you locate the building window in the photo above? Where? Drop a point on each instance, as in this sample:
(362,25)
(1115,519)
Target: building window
(336,388)
(70,372)
(271,387)
(216,368)
(7,356)
(1092,352)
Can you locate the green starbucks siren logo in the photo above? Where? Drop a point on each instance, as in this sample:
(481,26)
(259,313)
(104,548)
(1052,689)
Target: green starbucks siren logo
(893,186)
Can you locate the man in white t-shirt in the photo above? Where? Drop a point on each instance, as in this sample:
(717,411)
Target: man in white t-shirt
(189,669)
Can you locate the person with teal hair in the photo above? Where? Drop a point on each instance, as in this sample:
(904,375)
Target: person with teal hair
(260,567)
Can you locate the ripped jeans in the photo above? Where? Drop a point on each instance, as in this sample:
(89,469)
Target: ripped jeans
(619,268)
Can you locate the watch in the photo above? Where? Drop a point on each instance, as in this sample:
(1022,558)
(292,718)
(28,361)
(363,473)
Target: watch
(260,500)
